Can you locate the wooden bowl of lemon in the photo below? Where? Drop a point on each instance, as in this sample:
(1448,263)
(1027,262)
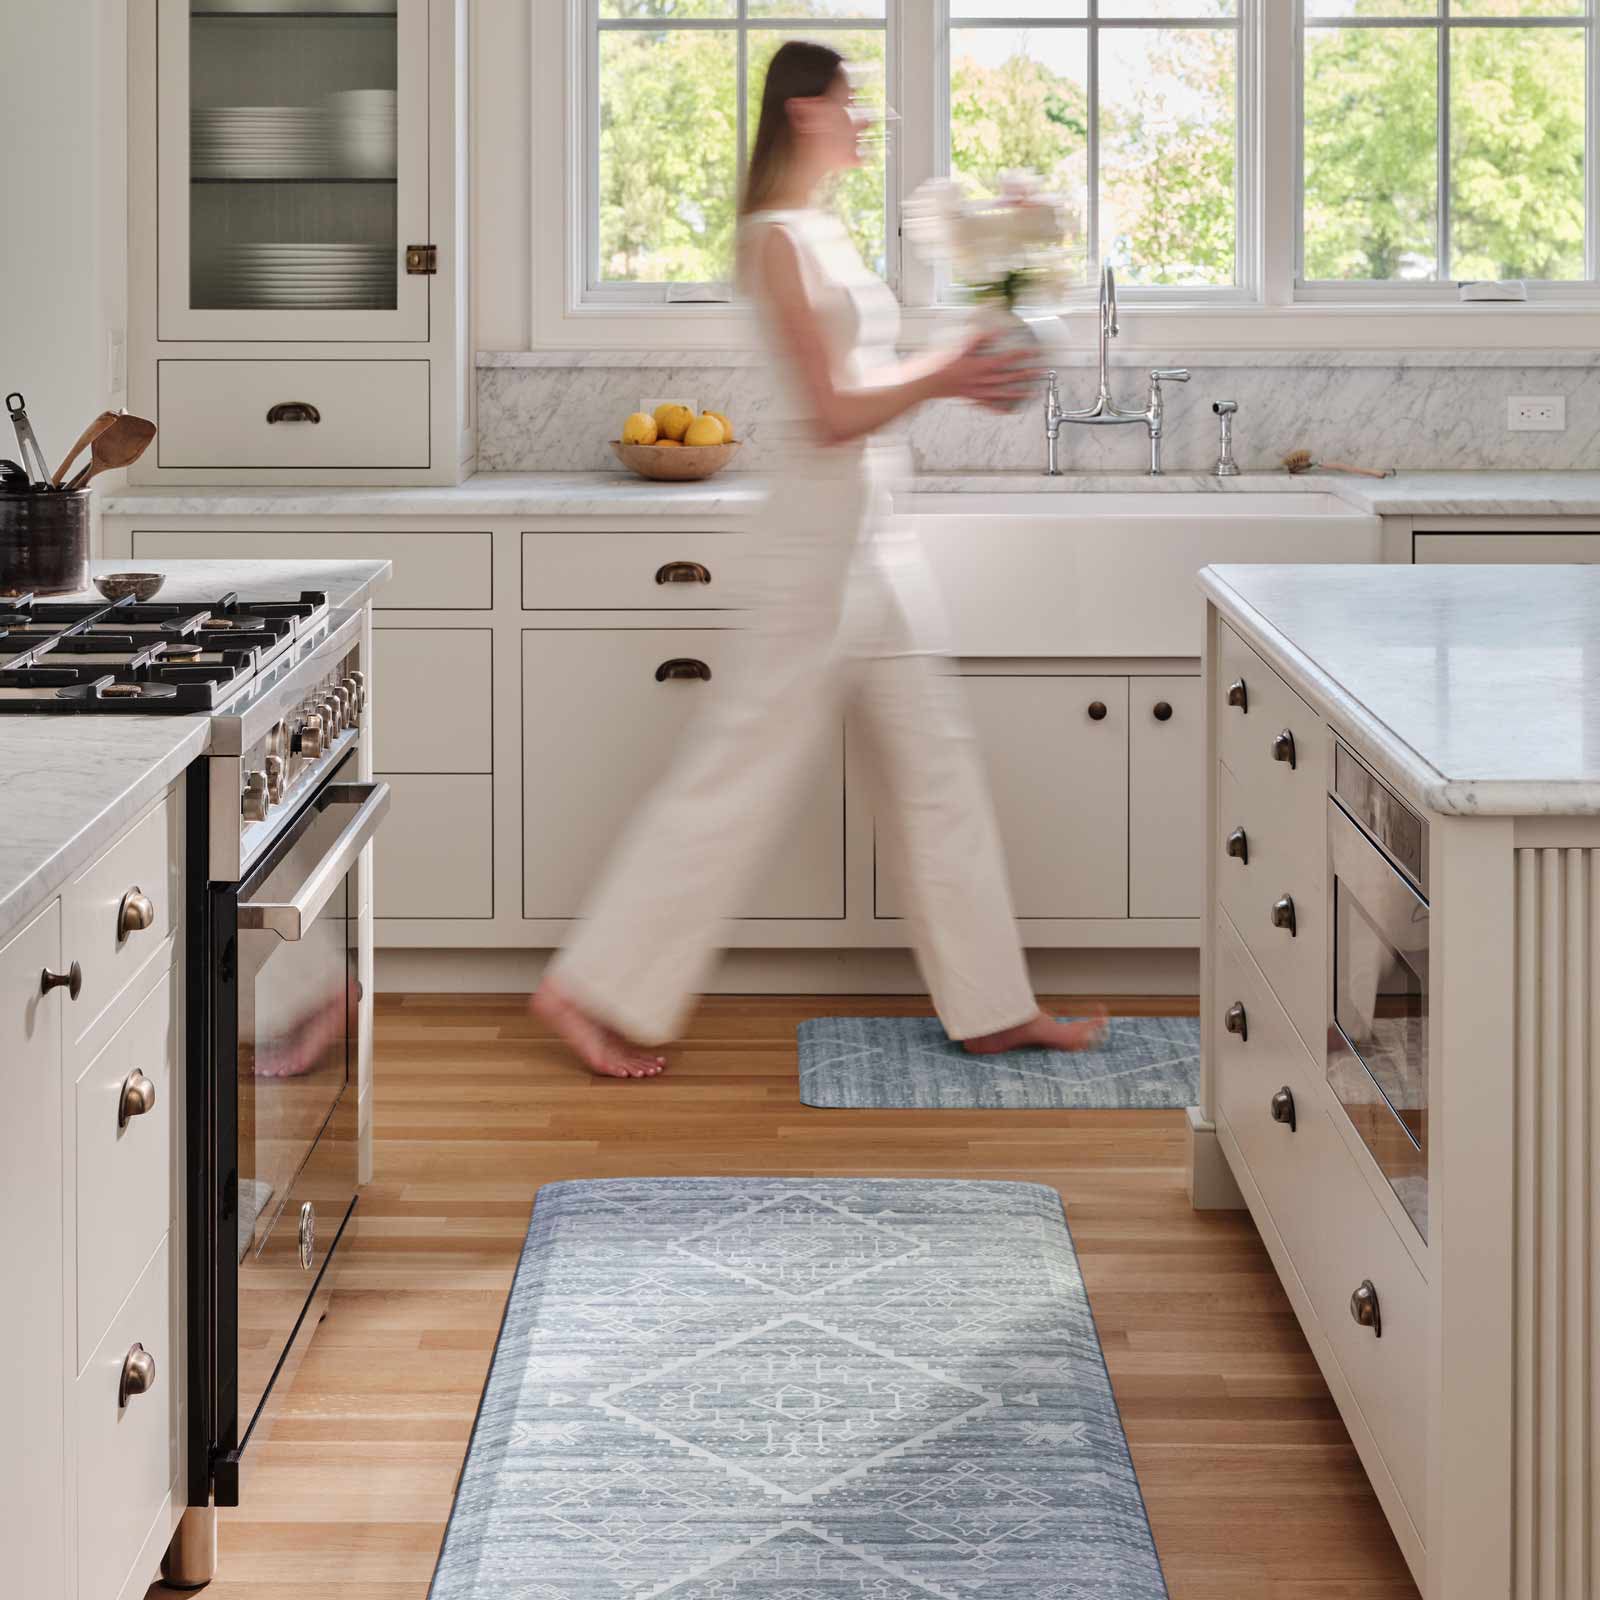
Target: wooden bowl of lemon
(676,446)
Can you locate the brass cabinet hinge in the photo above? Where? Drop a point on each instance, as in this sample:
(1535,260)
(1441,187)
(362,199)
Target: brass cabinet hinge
(422,260)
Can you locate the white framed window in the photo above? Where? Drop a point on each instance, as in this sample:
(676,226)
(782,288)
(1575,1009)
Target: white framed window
(1444,141)
(672,94)
(1141,113)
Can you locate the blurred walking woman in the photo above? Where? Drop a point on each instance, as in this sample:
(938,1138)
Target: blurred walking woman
(844,618)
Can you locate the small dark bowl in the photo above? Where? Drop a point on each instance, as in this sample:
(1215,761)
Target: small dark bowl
(119,585)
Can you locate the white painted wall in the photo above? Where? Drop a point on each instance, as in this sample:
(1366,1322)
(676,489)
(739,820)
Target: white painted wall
(63,229)
(502,135)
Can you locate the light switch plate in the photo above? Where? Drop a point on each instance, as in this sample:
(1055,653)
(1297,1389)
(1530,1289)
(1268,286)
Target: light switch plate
(1536,413)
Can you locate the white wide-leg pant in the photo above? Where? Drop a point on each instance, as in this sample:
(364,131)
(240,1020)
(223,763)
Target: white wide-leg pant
(841,627)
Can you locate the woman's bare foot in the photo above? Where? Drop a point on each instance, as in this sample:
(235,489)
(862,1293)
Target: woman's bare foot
(601,1049)
(1042,1032)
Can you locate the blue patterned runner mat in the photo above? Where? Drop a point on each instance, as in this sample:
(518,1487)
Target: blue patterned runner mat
(763,1389)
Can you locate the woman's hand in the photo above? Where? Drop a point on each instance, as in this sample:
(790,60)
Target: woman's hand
(988,375)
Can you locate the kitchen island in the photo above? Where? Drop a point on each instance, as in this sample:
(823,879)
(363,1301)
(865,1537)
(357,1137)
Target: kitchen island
(1400,993)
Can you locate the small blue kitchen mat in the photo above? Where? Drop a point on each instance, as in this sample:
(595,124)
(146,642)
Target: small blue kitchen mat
(859,1063)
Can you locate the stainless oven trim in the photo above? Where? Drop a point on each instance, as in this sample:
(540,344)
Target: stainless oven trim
(267,703)
(289,919)
(1417,879)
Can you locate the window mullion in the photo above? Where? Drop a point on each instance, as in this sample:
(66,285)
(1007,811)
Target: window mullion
(1443,91)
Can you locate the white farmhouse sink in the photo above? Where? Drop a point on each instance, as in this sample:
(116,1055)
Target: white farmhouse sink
(1043,574)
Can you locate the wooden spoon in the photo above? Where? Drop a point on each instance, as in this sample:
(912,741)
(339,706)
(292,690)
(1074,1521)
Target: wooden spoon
(119,446)
(87,437)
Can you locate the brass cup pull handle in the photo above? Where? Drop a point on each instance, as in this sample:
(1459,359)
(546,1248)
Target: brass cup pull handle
(683,572)
(1283,748)
(1235,1021)
(71,980)
(138,1375)
(1282,1107)
(1283,914)
(1238,846)
(136,913)
(683,667)
(1097,711)
(1364,1307)
(1239,696)
(1161,711)
(137,1097)
(294,411)
(308,1235)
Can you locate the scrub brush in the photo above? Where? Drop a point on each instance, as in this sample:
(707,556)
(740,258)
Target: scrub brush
(1298,461)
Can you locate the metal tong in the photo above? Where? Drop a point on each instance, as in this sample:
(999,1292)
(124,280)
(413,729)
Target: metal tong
(32,455)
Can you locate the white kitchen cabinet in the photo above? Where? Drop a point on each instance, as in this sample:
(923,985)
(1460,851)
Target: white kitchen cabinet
(434,855)
(297,233)
(32,1500)
(1166,824)
(1509,549)
(437,688)
(600,726)
(1056,753)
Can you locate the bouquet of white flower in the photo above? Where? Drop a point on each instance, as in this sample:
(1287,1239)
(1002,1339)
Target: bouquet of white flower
(1007,250)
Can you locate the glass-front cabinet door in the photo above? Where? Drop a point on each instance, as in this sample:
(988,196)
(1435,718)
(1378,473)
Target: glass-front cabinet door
(293,169)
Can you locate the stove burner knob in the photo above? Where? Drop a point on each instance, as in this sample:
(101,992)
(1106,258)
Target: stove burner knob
(341,707)
(308,738)
(352,691)
(255,802)
(275,779)
(359,679)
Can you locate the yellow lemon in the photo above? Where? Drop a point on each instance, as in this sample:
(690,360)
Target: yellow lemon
(665,444)
(673,421)
(640,428)
(704,430)
(727,427)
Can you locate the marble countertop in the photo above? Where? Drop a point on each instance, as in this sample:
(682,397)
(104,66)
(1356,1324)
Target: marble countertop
(69,785)
(570,494)
(1475,690)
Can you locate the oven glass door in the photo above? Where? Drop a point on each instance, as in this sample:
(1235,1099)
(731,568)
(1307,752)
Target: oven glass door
(1378,1044)
(296,1061)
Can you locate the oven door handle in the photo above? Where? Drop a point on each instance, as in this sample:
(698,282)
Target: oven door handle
(290,919)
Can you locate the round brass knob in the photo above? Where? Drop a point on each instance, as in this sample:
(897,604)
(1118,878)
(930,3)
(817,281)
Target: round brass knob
(254,803)
(1238,846)
(1097,711)
(1234,1020)
(1161,711)
(138,1096)
(71,980)
(1282,1106)
(1283,914)
(1364,1307)
(1239,696)
(136,913)
(358,681)
(138,1375)
(277,775)
(1283,748)
(308,737)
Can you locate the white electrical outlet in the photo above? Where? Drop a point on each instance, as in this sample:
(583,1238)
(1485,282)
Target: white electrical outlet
(1536,413)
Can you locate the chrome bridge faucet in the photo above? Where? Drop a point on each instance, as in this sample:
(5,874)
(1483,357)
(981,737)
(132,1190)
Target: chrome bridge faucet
(1104,411)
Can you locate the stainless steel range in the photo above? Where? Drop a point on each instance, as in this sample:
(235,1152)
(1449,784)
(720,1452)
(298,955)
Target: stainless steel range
(275,825)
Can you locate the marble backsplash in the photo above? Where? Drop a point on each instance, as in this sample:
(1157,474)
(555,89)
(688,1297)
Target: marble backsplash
(554,411)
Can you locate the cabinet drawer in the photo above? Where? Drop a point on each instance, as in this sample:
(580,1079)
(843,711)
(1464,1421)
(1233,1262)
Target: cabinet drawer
(1464,549)
(432,571)
(600,729)
(434,854)
(125,1183)
(1282,859)
(144,861)
(214,413)
(437,713)
(1247,734)
(127,1455)
(631,571)
(1331,1223)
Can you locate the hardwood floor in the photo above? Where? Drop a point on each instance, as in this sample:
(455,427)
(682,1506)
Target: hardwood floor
(1253,1488)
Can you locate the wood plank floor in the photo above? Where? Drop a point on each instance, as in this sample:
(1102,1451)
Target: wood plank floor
(1254,1490)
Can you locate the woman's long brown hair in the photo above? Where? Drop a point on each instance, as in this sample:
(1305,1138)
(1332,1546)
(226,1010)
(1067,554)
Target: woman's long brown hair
(801,70)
